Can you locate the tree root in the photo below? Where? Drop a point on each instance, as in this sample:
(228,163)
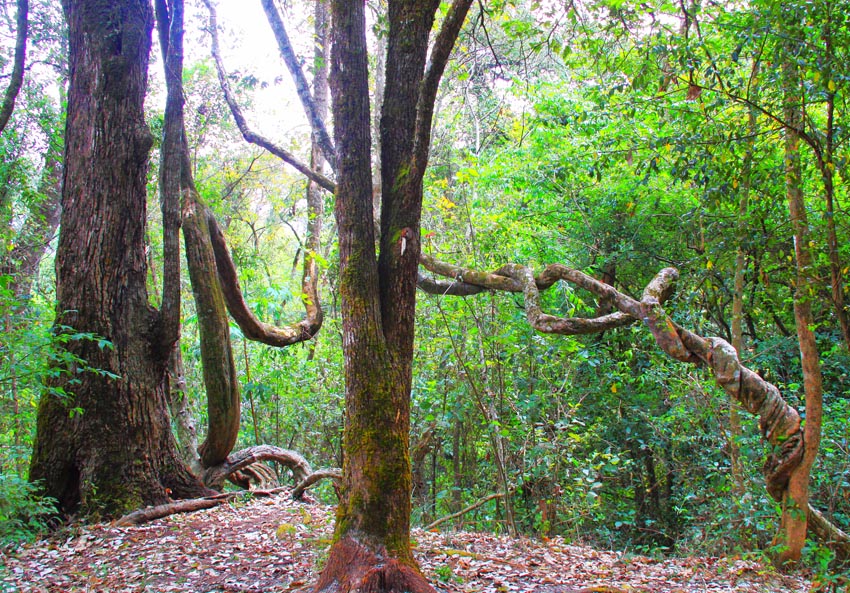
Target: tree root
(353,568)
(215,476)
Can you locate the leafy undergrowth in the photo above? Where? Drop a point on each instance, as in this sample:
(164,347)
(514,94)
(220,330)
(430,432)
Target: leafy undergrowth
(276,545)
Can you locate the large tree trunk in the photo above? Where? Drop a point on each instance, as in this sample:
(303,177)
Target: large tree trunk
(372,547)
(104,444)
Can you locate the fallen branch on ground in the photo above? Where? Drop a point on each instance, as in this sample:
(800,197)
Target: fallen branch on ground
(186,506)
(462,512)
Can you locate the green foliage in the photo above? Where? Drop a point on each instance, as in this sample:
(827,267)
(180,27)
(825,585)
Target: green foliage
(24,513)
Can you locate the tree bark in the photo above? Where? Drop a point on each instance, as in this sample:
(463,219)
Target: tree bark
(104,443)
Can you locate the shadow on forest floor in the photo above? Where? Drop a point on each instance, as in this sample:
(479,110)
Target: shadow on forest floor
(275,544)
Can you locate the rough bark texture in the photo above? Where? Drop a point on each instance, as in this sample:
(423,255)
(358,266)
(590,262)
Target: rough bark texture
(117,453)
(372,547)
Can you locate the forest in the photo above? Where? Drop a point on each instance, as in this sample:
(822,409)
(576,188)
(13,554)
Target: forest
(422,295)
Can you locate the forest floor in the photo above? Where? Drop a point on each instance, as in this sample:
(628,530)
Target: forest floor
(267,545)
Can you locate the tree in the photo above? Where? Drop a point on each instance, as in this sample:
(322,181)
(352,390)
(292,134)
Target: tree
(371,551)
(104,443)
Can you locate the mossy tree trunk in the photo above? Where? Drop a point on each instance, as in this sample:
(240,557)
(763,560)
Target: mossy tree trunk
(378,296)
(105,447)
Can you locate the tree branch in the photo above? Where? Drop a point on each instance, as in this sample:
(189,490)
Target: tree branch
(301,86)
(462,512)
(251,327)
(440,53)
(779,422)
(17,76)
(186,506)
(248,134)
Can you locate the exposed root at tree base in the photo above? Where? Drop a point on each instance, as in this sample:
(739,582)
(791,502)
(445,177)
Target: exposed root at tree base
(354,568)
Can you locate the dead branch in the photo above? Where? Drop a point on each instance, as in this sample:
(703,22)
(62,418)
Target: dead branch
(462,512)
(317,476)
(186,506)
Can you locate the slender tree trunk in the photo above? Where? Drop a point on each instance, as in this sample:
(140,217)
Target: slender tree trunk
(104,444)
(181,413)
(737,334)
(796,497)
(826,163)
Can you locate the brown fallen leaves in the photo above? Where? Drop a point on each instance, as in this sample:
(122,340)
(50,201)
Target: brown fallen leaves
(275,544)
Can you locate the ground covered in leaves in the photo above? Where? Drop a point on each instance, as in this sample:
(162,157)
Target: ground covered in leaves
(274,544)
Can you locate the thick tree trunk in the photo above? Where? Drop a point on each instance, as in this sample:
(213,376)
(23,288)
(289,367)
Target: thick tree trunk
(104,444)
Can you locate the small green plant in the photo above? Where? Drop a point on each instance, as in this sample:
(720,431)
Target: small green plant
(24,513)
(445,574)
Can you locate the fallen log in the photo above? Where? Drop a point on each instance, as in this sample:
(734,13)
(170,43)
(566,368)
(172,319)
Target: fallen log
(148,514)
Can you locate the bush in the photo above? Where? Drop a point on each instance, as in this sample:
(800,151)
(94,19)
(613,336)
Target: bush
(24,513)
